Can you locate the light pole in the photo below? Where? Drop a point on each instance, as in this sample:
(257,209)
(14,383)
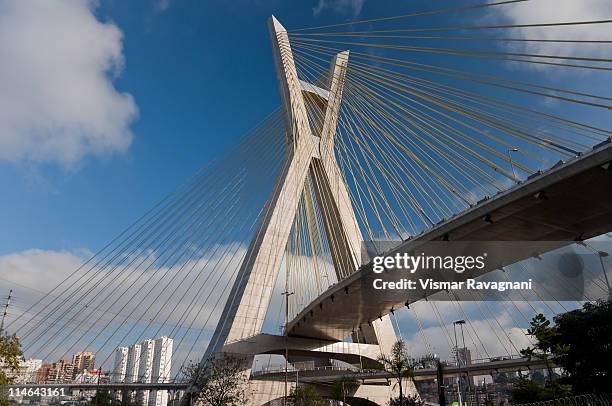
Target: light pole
(459,389)
(467,373)
(509,150)
(286,294)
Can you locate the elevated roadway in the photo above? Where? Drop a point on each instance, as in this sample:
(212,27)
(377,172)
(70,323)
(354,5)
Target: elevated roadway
(318,375)
(571,201)
(330,374)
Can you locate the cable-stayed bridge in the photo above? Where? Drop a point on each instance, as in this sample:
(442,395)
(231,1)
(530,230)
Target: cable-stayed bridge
(542,208)
(386,131)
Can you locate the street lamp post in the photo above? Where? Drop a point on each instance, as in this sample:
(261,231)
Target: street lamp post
(459,386)
(286,294)
(509,150)
(467,372)
(458,365)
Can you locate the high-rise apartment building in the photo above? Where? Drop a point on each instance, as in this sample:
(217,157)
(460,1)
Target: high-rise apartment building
(120,365)
(83,361)
(131,369)
(119,372)
(61,371)
(133,362)
(147,362)
(42,374)
(162,363)
(145,369)
(464,358)
(27,370)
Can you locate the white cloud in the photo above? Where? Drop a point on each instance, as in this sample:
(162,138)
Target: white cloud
(554,11)
(58,103)
(352,7)
(127,279)
(496,343)
(493,328)
(130,296)
(32,272)
(162,5)
(38,270)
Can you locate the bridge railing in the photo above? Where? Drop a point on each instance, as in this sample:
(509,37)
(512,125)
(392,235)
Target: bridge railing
(280,369)
(493,359)
(282,402)
(593,399)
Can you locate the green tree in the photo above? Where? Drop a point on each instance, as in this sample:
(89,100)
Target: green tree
(103,398)
(582,346)
(306,396)
(579,343)
(398,364)
(221,381)
(541,329)
(527,390)
(10,356)
(343,388)
(408,400)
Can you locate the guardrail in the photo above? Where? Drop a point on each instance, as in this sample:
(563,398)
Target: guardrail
(276,370)
(478,361)
(593,399)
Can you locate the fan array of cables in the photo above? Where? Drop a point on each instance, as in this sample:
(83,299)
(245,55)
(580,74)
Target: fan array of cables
(436,118)
(419,142)
(170,272)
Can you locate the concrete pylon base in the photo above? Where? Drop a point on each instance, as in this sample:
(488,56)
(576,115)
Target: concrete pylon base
(271,393)
(265,393)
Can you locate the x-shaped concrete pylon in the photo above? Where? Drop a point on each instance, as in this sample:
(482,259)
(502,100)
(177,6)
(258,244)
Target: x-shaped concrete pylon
(246,307)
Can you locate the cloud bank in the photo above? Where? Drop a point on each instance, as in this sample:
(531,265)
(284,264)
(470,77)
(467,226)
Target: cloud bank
(58,103)
(126,302)
(558,11)
(351,7)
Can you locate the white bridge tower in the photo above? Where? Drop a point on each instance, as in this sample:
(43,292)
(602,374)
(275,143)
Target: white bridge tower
(240,328)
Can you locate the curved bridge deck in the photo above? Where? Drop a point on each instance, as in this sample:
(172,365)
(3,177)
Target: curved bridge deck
(568,202)
(328,374)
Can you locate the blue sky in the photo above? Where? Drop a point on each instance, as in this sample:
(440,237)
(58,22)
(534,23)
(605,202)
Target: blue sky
(200,74)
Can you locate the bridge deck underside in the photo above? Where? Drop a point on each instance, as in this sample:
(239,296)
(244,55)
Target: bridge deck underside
(570,201)
(322,376)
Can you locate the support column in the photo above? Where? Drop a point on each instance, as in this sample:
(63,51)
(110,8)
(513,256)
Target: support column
(341,224)
(334,201)
(246,307)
